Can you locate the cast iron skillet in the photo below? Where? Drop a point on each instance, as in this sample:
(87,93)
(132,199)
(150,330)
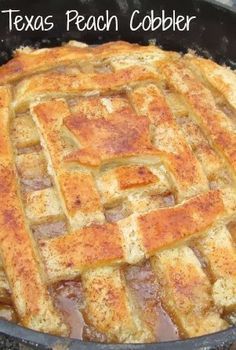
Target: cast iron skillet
(211,35)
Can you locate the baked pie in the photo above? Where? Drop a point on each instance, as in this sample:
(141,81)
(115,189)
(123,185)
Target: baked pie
(117,189)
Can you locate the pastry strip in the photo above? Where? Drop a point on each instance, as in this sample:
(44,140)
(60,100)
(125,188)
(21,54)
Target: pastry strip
(18,251)
(163,228)
(186,292)
(221,78)
(212,121)
(186,172)
(79,197)
(110,309)
(61,85)
(218,250)
(69,255)
(26,63)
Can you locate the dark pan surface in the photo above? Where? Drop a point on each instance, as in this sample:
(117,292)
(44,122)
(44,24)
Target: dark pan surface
(212,34)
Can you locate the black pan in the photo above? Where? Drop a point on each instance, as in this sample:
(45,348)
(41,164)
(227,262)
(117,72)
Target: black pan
(212,34)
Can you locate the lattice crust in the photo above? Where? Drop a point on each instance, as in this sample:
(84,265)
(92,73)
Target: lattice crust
(109,156)
(26,63)
(176,153)
(187,291)
(214,123)
(220,254)
(18,252)
(110,308)
(220,78)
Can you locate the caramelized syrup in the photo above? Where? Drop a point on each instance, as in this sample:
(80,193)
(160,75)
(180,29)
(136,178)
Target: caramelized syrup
(142,283)
(69,299)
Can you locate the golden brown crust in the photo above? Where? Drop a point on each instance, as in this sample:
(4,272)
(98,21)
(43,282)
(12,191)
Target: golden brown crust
(219,253)
(157,230)
(109,184)
(77,189)
(135,158)
(83,193)
(44,59)
(5,101)
(134,176)
(221,78)
(109,307)
(99,107)
(176,153)
(30,63)
(48,117)
(212,121)
(42,206)
(187,292)
(123,135)
(163,228)
(62,85)
(23,270)
(69,255)
(210,160)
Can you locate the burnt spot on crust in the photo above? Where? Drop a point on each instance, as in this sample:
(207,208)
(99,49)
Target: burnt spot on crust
(77,201)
